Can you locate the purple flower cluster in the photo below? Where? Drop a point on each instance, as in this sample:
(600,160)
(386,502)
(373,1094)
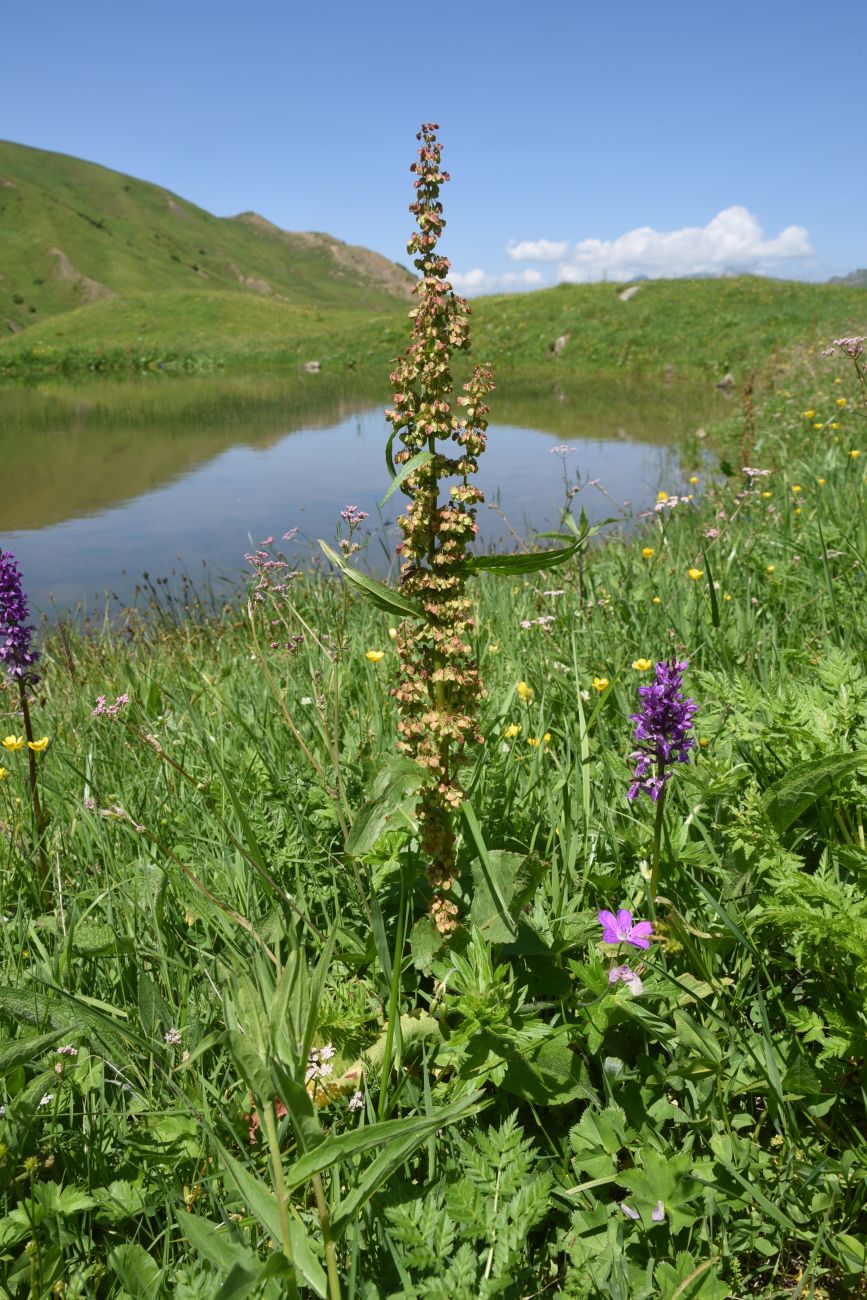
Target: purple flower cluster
(16,653)
(661,728)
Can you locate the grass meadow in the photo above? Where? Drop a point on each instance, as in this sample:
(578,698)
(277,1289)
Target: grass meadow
(238,1059)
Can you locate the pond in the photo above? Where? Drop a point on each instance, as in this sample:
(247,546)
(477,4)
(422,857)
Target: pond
(105,482)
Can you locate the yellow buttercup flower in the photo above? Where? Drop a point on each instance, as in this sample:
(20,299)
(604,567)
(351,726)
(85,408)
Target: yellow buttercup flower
(770,568)
(512,730)
(642,665)
(766,496)
(662,496)
(375,655)
(821,481)
(533,742)
(818,425)
(835,424)
(695,574)
(809,415)
(4,772)
(727,596)
(841,402)
(855,454)
(525,692)
(657,600)
(797,510)
(600,683)
(694,479)
(38,746)
(796,487)
(646,552)
(703,742)
(12,743)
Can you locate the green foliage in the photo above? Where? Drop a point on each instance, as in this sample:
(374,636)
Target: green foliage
(497,1118)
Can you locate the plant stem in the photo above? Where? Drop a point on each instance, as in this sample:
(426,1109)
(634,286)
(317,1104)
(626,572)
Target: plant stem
(328,1240)
(270,1118)
(394,994)
(657,844)
(38,817)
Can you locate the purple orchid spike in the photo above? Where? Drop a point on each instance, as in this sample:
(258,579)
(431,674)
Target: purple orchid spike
(622,929)
(17,656)
(661,728)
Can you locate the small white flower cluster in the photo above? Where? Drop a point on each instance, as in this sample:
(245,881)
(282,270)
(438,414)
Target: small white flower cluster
(172,1037)
(356,1101)
(319,1063)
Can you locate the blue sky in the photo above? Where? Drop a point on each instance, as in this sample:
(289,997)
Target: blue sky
(584,141)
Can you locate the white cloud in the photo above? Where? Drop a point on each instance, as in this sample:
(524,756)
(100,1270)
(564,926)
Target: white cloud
(733,240)
(537,250)
(479,281)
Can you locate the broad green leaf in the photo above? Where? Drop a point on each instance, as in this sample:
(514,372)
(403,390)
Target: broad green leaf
(260,1201)
(550,1075)
(503,884)
(804,783)
(527,562)
(490,881)
(425,941)
(409,468)
(355,1142)
(240,1282)
(376,592)
(139,1273)
(391,803)
(663,1178)
(27,1049)
(215,1243)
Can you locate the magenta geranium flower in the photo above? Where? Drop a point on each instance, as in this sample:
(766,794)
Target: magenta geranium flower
(622,929)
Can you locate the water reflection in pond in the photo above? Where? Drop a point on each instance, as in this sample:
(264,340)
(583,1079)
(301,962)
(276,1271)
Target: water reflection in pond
(105,482)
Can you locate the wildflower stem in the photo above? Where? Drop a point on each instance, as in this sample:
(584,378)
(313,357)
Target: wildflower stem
(328,1240)
(38,818)
(394,994)
(269,1117)
(657,845)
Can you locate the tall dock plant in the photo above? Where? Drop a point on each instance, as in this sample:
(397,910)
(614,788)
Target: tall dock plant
(439,687)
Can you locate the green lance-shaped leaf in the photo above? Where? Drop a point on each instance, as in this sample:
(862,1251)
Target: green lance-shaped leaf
(804,783)
(415,463)
(525,562)
(344,1145)
(26,1049)
(376,592)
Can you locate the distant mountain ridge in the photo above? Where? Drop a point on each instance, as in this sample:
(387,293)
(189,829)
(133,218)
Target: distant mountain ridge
(74,233)
(855,279)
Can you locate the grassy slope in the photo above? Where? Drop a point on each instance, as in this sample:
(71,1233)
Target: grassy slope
(697,328)
(124,236)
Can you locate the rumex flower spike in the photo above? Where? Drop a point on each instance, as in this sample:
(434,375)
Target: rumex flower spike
(439,685)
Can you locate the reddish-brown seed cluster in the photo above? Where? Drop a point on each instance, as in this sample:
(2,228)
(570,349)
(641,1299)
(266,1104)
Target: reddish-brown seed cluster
(439,685)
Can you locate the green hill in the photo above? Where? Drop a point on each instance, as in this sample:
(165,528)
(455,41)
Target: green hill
(102,272)
(74,234)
